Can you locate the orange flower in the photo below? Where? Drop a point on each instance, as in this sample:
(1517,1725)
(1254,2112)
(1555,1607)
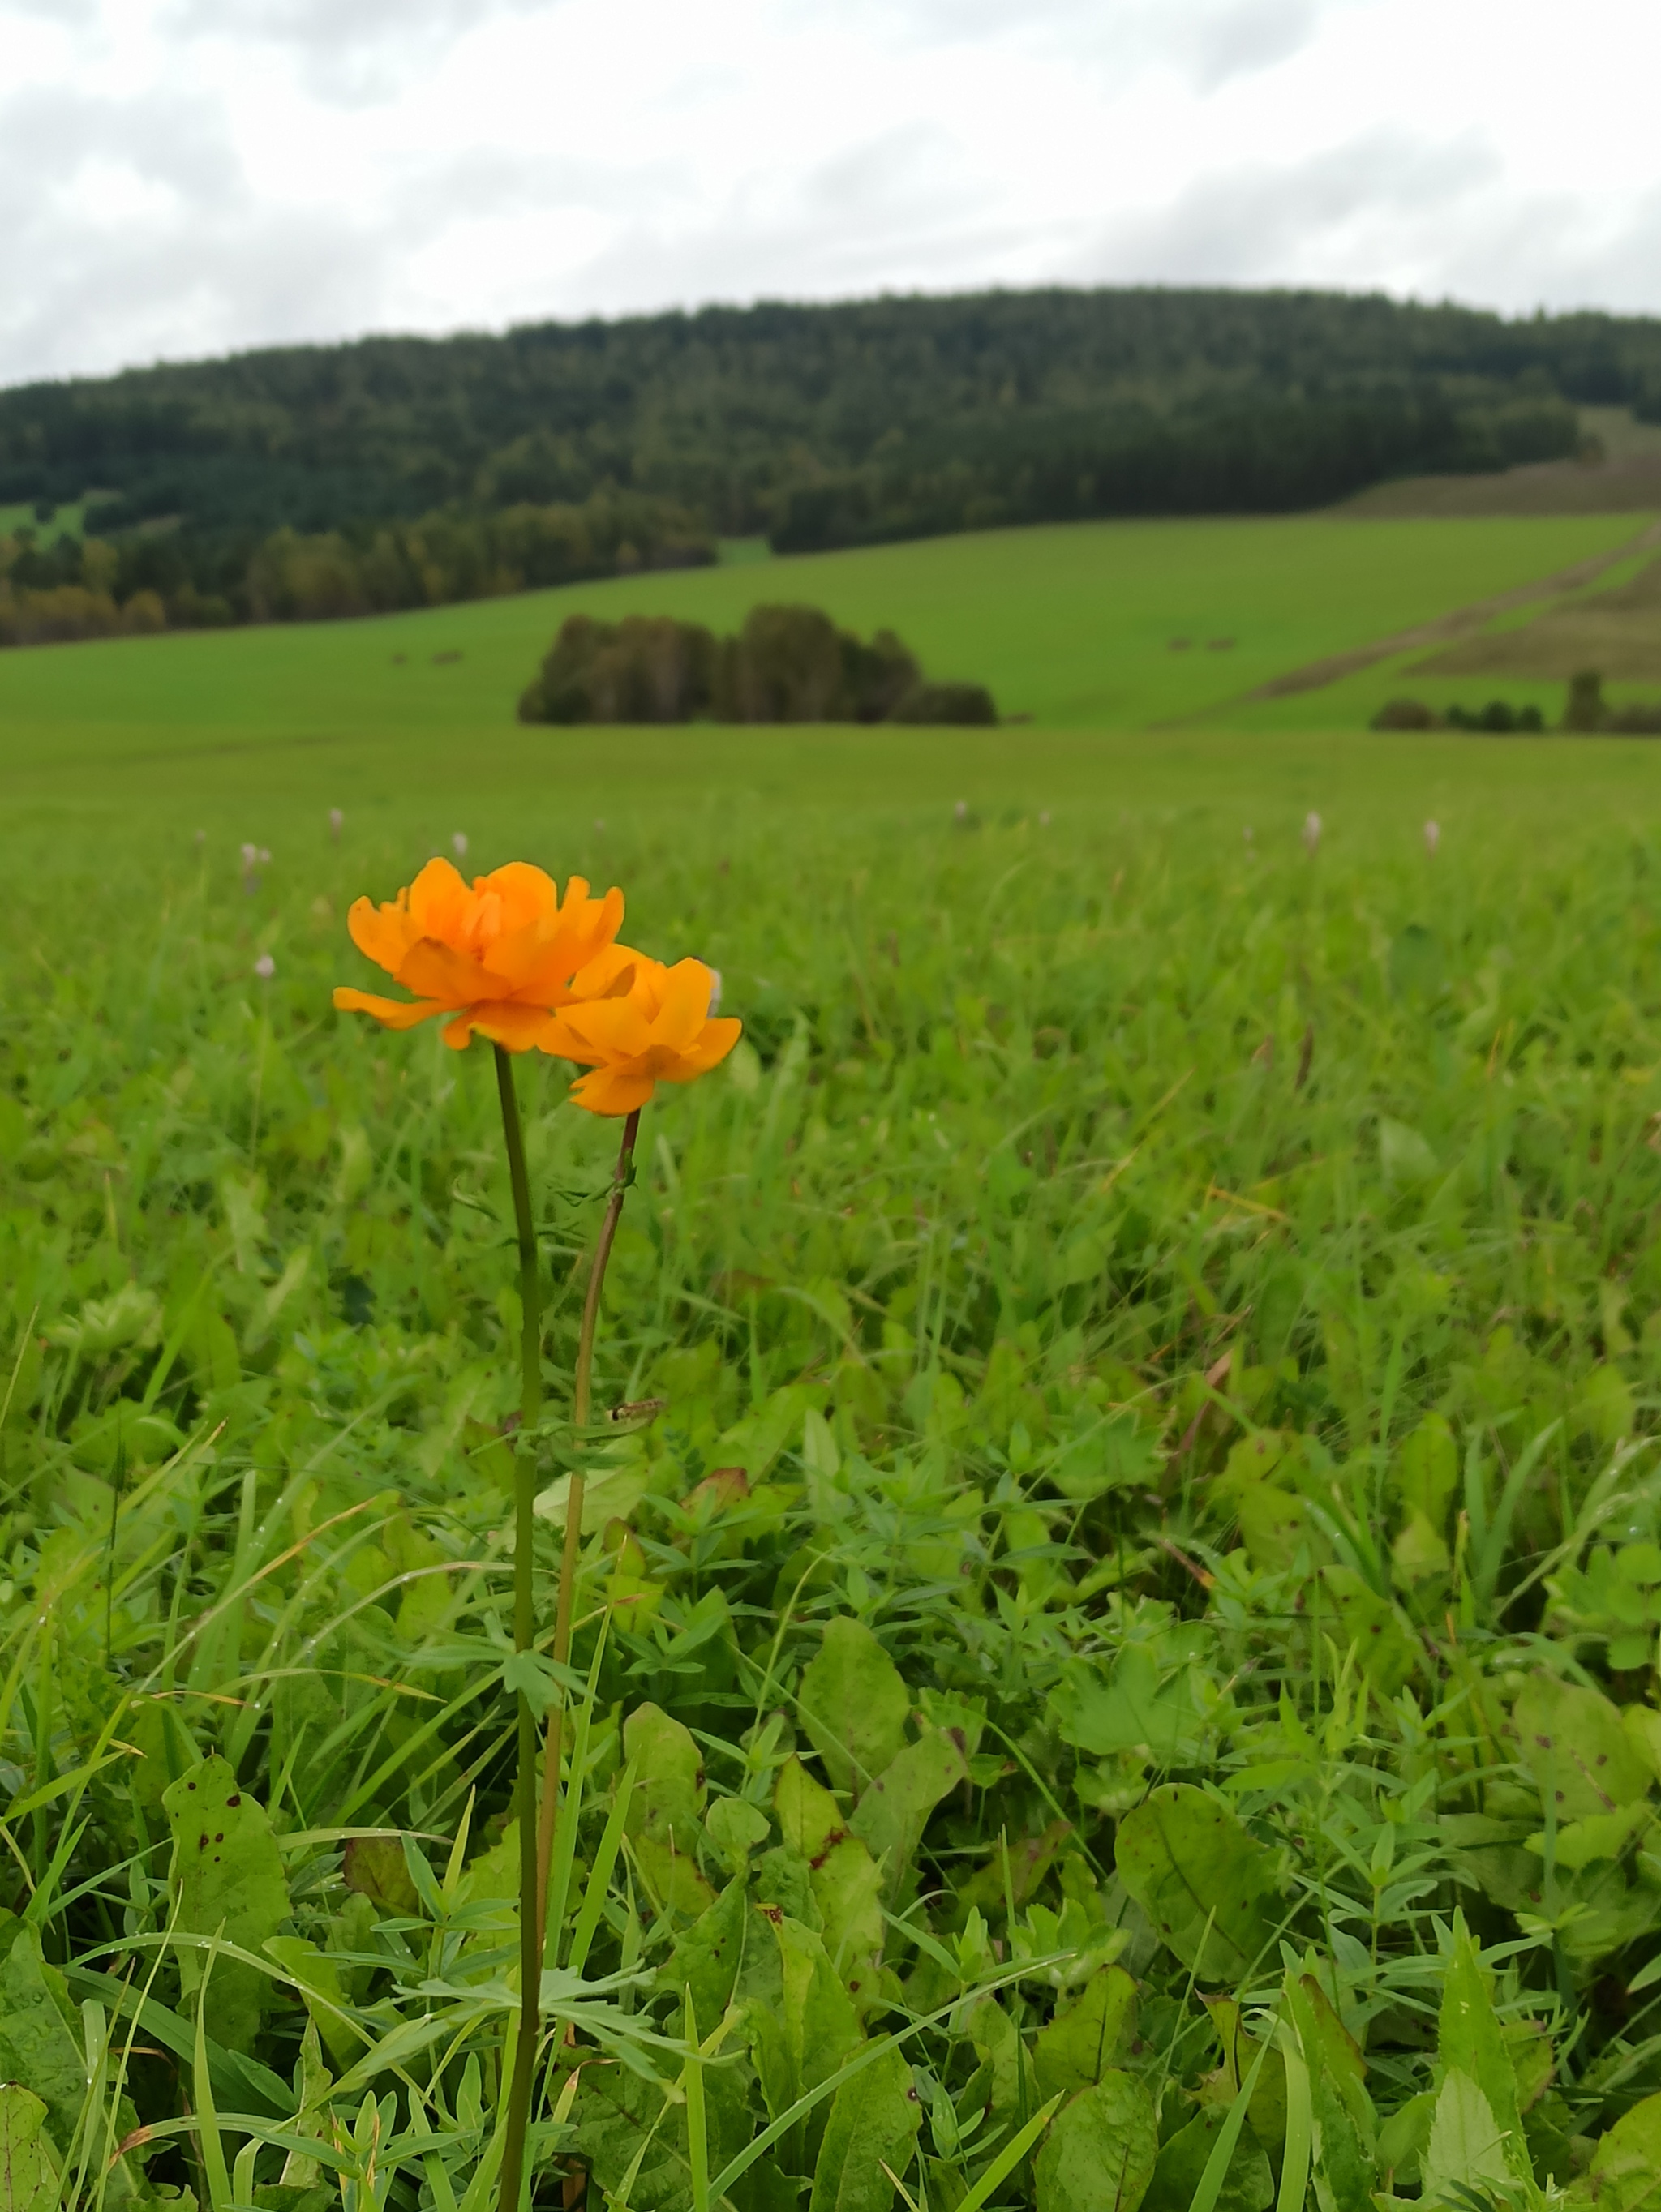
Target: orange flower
(660,1030)
(497,956)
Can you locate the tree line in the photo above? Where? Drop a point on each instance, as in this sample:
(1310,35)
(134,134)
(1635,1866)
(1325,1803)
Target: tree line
(816,426)
(148,580)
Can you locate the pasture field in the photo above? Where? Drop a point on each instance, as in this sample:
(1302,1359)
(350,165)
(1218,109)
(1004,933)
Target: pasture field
(1125,1671)
(1073,626)
(1189,1317)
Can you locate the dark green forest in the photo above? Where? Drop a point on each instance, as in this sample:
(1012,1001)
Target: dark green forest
(818,426)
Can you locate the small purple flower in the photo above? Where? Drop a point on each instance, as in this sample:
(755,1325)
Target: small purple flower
(264,967)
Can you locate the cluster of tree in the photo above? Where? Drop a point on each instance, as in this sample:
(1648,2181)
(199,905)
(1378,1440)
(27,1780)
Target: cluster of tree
(186,578)
(786,665)
(1586,713)
(870,418)
(1499,719)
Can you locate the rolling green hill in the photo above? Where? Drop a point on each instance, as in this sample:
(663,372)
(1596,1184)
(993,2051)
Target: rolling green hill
(1073,627)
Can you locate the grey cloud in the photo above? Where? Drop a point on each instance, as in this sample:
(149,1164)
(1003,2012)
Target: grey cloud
(1237,41)
(351,52)
(1270,225)
(1210,42)
(195,267)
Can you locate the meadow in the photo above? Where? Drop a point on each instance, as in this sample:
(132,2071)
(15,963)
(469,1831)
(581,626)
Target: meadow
(1072,626)
(1123,1671)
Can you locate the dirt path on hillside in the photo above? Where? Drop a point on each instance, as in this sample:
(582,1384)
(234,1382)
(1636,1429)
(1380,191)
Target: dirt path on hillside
(1316,674)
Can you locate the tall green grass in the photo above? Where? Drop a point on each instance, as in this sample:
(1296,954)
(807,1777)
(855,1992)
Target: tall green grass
(1185,1315)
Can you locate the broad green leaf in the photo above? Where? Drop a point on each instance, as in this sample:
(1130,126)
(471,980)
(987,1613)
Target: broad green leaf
(1469,2041)
(873,2124)
(676,1885)
(853,1705)
(39,2045)
(324,1990)
(708,1954)
(1248,2186)
(1428,1470)
(1377,1630)
(1626,2166)
(813,2029)
(1466,2150)
(375,1867)
(227,1879)
(667,1805)
(1079,2045)
(735,1828)
(1130,1711)
(845,1880)
(894,1811)
(28,2182)
(1204,1882)
(1099,2154)
(1575,1744)
(1345,2127)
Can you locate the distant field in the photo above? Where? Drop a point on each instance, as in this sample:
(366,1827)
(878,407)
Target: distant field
(1076,626)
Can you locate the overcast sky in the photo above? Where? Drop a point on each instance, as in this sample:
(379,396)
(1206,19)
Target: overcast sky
(183,177)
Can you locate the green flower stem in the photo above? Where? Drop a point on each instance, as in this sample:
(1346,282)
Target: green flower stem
(530,1408)
(568,1564)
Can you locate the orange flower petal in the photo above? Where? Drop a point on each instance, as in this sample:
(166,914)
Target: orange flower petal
(439,971)
(396,1013)
(707,1050)
(612,1090)
(505,1021)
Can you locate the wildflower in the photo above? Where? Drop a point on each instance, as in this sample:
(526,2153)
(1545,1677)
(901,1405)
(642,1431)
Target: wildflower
(714,990)
(336,821)
(250,855)
(1312,831)
(264,967)
(497,956)
(660,1030)
(1433,836)
(459,844)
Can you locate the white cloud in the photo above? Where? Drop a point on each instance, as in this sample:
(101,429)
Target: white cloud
(190,175)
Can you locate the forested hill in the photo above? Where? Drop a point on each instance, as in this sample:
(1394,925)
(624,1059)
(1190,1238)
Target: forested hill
(816,425)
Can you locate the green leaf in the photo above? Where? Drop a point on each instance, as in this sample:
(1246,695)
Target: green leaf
(227,1879)
(1626,2166)
(853,1705)
(375,1867)
(872,2123)
(845,1880)
(1467,2146)
(1575,1744)
(28,2183)
(1130,1712)
(708,1954)
(813,2030)
(319,1975)
(1099,2154)
(1469,2040)
(38,2047)
(1203,1881)
(1248,2185)
(1080,2044)
(667,1806)
(1345,2128)
(894,1811)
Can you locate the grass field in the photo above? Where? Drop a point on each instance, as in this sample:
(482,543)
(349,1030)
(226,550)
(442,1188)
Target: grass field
(1171,1699)
(1071,625)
